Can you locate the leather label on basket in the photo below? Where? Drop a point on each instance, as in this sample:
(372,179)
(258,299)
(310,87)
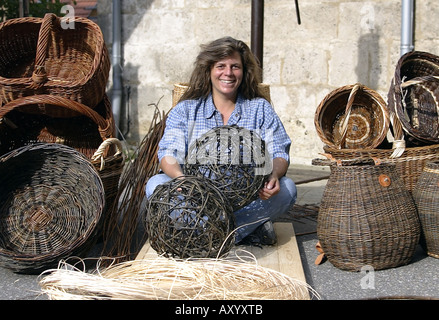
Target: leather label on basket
(385,180)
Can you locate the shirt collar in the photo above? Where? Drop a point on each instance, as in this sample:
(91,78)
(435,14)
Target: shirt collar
(209,107)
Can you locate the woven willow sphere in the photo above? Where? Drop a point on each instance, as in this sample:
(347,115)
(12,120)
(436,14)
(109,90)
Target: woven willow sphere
(235,159)
(189,217)
(51,203)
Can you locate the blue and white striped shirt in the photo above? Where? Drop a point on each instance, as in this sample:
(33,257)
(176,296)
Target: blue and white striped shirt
(190,119)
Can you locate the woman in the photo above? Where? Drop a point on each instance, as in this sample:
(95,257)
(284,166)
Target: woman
(223,90)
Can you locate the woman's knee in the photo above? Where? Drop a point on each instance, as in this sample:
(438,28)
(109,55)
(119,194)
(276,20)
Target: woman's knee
(155,181)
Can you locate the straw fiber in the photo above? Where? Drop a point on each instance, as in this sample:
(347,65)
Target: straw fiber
(51,201)
(414,96)
(367,217)
(189,218)
(426,196)
(352,117)
(43,56)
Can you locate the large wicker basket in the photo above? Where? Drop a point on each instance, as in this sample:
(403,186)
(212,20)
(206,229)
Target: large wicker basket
(414,96)
(367,217)
(35,118)
(39,56)
(409,164)
(426,196)
(351,117)
(51,200)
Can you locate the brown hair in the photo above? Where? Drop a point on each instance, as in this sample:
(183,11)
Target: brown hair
(200,85)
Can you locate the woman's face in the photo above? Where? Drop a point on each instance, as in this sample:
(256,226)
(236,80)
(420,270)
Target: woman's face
(226,76)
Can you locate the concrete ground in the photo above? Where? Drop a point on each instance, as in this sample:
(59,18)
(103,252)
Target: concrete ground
(417,280)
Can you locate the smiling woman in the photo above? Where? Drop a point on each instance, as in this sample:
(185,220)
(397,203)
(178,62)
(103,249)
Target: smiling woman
(224,90)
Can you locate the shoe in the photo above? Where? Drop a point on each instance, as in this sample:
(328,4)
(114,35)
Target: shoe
(263,235)
(266,233)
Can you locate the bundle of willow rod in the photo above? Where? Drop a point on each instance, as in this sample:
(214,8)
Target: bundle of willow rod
(119,233)
(170,279)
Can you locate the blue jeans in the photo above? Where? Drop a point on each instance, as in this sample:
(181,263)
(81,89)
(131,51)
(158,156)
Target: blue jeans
(254,214)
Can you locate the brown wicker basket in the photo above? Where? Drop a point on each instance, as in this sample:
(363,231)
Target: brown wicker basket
(409,164)
(426,196)
(235,159)
(190,218)
(40,57)
(109,165)
(414,95)
(35,118)
(180,89)
(51,201)
(367,217)
(352,117)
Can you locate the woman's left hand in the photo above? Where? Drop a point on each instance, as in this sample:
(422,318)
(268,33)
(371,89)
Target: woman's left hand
(270,188)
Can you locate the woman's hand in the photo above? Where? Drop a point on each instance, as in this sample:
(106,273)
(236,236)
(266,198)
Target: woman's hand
(272,185)
(270,188)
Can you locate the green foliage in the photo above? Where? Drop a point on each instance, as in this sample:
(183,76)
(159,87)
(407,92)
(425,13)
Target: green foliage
(9,8)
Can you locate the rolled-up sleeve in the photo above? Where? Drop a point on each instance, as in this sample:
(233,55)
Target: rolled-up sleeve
(173,142)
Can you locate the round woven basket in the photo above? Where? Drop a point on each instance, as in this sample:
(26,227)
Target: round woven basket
(426,196)
(414,95)
(180,89)
(234,159)
(367,217)
(352,117)
(189,218)
(40,56)
(51,200)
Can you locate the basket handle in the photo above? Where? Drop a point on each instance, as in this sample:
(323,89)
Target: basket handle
(39,75)
(44,99)
(348,109)
(99,154)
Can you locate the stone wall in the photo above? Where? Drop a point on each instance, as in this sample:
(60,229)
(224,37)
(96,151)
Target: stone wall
(338,43)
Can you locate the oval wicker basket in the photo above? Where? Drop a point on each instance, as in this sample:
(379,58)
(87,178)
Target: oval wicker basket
(367,217)
(426,197)
(39,56)
(180,89)
(352,117)
(414,95)
(51,201)
(40,118)
(190,218)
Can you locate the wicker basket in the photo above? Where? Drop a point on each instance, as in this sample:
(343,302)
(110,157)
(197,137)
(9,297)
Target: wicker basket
(367,217)
(51,200)
(190,218)
(426,196)
(409,164)
(34,119)
(352,117)
(109,165)
(40,57)
(414,95)
(234,159)
(180,89)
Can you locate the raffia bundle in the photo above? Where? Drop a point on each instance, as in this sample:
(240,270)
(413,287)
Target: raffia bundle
(169,279)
